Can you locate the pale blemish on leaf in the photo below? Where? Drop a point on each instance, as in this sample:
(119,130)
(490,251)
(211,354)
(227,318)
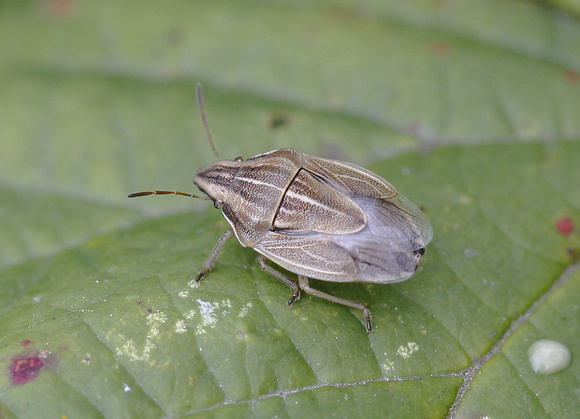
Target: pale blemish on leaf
(183,294)
(155,320)
(465,200)
(210,312)
(469,253)
(180,326)
(407,351)
(387,366)
(244,310)
(129,349)
(207,312)
(225,304)
(208,317)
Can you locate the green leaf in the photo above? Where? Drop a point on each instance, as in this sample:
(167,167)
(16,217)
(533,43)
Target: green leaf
(470,108)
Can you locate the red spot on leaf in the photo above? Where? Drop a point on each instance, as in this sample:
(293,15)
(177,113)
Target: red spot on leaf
(25,342)
(440,48)
(25,370)
(572,76)
(60,7)
(565,225)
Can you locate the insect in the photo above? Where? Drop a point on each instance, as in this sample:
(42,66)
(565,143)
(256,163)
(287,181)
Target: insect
(317,218)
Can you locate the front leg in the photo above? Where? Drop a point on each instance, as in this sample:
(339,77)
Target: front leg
(210,261)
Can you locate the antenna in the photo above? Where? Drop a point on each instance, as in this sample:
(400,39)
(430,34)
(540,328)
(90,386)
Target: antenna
(204,119)
(190,195)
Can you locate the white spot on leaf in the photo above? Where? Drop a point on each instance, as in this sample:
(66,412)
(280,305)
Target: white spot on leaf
(549,356)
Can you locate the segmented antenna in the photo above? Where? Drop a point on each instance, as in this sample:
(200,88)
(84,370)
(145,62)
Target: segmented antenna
(204,119)
(190,195)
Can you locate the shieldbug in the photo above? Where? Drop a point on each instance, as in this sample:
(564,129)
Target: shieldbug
(318,218)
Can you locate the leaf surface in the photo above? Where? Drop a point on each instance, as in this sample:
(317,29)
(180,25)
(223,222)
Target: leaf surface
(470,108)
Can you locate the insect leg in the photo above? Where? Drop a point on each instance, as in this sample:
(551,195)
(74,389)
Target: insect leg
(291,284)
(305,286)
(210,261)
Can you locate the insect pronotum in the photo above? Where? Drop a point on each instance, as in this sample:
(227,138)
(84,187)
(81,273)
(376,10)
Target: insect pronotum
(318,218)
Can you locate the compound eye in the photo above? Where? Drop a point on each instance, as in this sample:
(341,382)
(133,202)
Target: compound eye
(239,159)
(420,251)
(217,203)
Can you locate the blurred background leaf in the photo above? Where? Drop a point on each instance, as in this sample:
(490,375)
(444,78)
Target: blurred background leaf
(469,107)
